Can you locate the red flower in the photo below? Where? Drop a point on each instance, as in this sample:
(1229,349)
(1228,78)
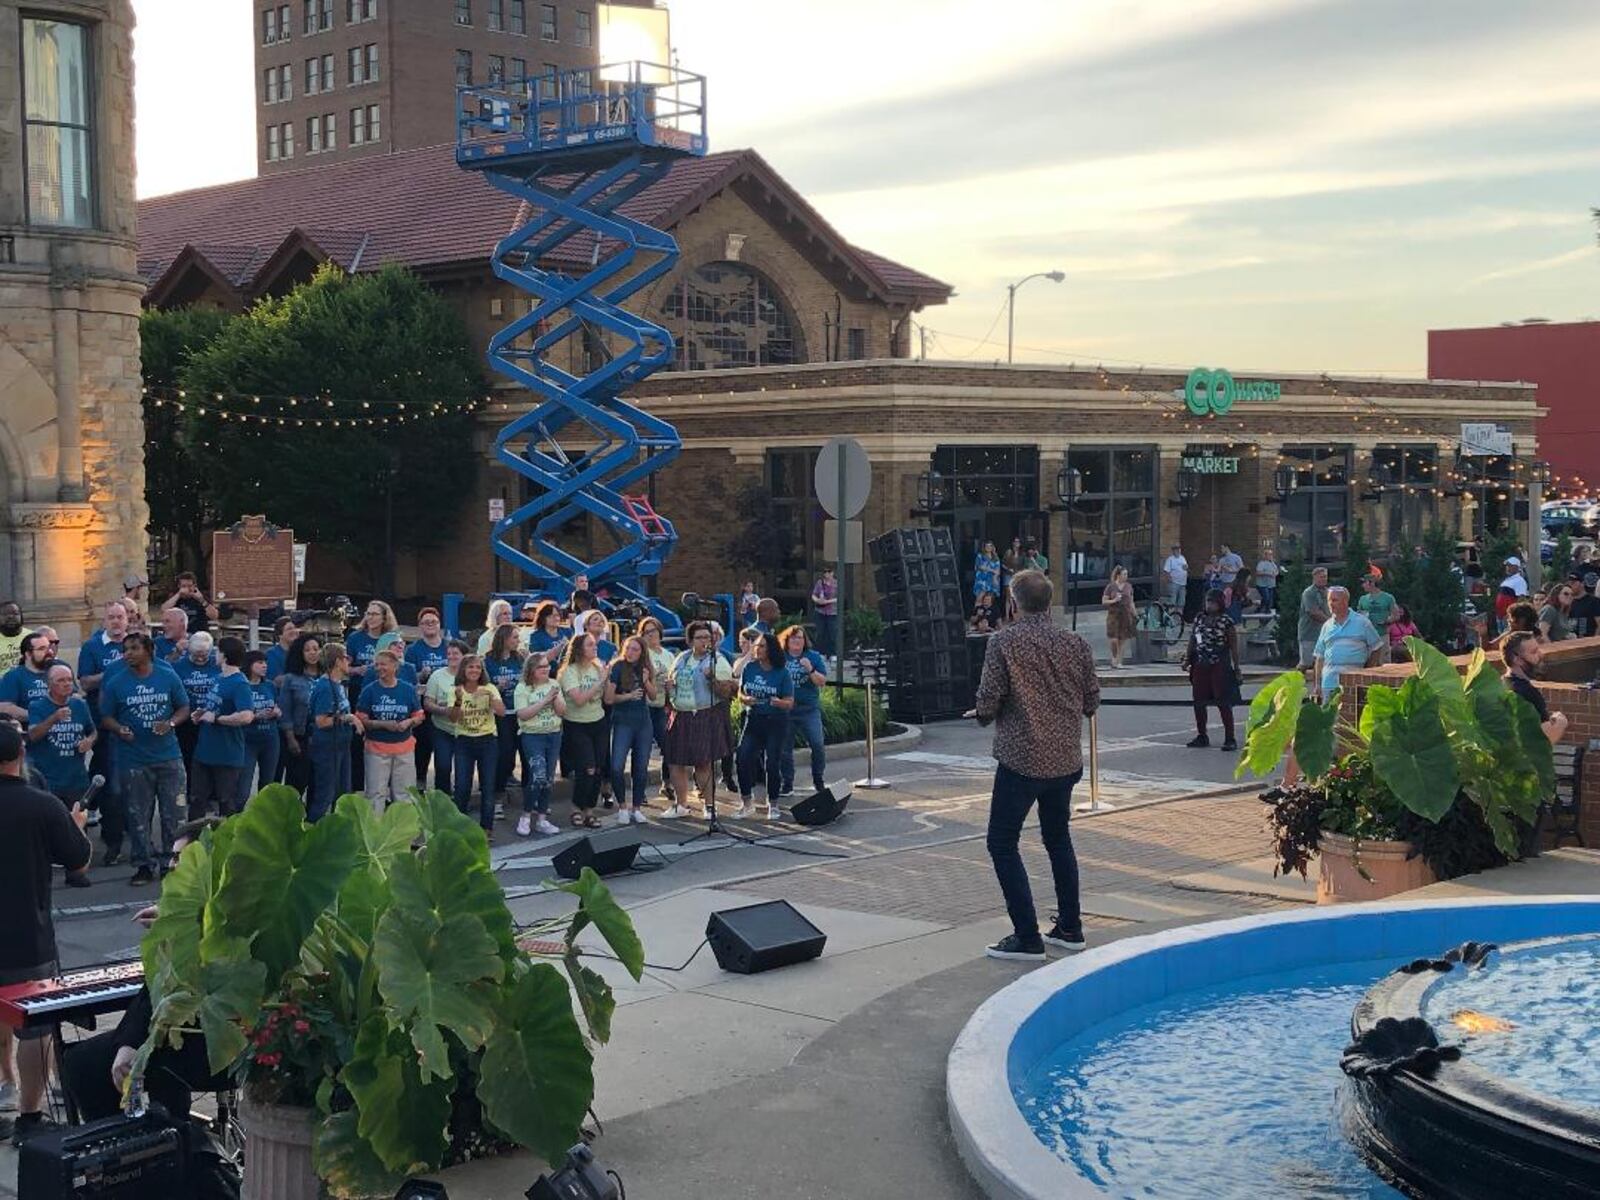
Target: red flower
(302,1026)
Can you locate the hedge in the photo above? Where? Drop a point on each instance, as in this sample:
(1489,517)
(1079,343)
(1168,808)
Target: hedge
(844,716)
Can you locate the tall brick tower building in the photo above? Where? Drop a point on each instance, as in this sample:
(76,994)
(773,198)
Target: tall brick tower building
(340,79)
(72,508)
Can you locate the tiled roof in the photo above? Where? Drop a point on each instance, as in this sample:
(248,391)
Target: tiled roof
(418,208)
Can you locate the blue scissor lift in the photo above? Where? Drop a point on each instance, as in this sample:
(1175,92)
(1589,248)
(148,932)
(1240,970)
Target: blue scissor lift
(575,146)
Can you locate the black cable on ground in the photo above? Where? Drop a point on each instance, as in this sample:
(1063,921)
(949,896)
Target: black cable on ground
(684,966)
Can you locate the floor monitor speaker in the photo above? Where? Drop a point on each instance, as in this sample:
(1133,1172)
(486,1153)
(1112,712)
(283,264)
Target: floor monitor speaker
(760,937)
(823,807)
(608,851)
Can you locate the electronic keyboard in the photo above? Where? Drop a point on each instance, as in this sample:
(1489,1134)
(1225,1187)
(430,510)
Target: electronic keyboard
(75,997)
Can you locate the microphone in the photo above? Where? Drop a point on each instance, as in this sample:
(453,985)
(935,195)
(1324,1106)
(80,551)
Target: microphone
(95,784)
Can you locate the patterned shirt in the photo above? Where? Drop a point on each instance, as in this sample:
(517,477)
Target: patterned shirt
(1210,640)
(1038,684)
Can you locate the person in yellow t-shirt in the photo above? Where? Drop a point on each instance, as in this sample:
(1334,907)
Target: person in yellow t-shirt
(475,705)
(583,731)
(12,631)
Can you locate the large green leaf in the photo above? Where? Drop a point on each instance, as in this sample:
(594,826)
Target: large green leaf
(437,813)
(346,1162)
(1380,703)
(598,907)
(1315,739)
(537,1075)
(1439,676)
(402,1116)
(1270,728)
(1411,754)
(594,997)
(231,993)
(425,971)
(451,878)
(380,839)
(282,873)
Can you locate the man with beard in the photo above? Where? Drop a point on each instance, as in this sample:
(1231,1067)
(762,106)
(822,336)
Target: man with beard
(100,654)
(1522,655)
(11,634)
(143,703)
(26,682)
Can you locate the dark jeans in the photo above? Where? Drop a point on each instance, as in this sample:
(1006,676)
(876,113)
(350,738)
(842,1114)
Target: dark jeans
(482,752)
(508,750)
(1269,598)
(632,735)
(539,754)
(584,744)
(330,771)
(188,734)
(423,754)
(297,767)
(213,787)
(809,723)
(760,752)
(261,751)
(1014,794)
(658,727)
(444,758)
(827,631)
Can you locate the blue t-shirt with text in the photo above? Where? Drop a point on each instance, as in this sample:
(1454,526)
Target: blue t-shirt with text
(198,679)
(94,657)
(394,703)
(277,661)
(263,698)
(141,702)
(764,685)
(361,646)
(806,696)
(56,754)
(329,699)
(22,687)
(504,674)
(422,657)
(223,745)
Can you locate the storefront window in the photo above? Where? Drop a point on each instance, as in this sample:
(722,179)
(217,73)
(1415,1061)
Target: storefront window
(1313,520)
(797,519)
(1409,504)
(1113,521)
(990,493)
(1490,480)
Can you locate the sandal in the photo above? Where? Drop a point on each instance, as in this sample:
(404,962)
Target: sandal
(591,821)
(577,818)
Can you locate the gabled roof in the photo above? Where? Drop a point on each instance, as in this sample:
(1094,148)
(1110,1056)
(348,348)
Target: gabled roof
(418,208)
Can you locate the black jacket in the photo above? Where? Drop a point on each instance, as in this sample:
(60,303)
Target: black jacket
(36,833)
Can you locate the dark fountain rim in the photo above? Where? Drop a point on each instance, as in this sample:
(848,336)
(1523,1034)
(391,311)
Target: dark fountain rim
(1468,1113)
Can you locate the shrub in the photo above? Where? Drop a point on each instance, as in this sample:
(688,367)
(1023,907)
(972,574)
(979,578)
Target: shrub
(844,716)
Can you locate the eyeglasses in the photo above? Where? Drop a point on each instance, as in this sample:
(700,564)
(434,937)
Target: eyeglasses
(53,641)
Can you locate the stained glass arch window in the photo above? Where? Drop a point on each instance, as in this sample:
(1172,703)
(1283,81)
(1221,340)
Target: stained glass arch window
(726,314)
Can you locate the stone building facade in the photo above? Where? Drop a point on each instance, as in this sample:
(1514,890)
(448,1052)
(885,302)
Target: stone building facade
(72,509)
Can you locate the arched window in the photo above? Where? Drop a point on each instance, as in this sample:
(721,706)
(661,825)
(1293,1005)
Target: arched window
(726,315)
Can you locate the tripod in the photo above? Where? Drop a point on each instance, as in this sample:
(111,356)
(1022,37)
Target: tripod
(714,827)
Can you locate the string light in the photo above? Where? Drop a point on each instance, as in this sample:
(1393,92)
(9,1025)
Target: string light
(227,407)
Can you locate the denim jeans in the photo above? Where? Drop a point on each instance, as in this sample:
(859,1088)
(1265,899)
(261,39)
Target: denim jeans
(658,728)
(760,752)
(444,759)
(330,771)
(631,735)
(540,752)
(482,752)
(809,723)
(147,788)
(422,755)
(213,787)
(1269,598)
(112,799)
(508,740)
(584,744)
(1014,794)
(827,633)
(262,749)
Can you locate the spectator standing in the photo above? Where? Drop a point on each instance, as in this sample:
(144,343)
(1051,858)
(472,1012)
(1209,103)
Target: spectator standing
(438,698)
(539,709)
(825,609)
(809,673)
(141,705)
(1377,606)
(219,755)
(1229,563)
(1120,617)
(1585,610)
(263,740)
(284,632)
(1401,627)
(1523,654)
(503,667)
(1034,559)
(302,667)
(1314,613)
(188,596)
(1174,577)
(29,679)
(650,633)
(986,571)
(333,728)
(1347,642)
(12,631)
(389,712)
(1267,572)
(1514,578)
(1212,660)
(749,601)
(1038,685)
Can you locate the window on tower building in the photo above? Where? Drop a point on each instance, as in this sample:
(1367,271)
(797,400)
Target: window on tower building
(519,16)
(57,125)
(361,10)
(497,69)
(547,23)
(269,26)
(519,70)
(330,132)
(286,82)
(373,132)
(583,27)
(372,61)
(497,15)
(463,12)
(288,140)
(358,126)
(274,150)
(463,67)
(313,135)
(270,76)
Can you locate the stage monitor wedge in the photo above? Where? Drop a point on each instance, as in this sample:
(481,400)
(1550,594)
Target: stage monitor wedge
(608,851)
(762,937)
(824,807)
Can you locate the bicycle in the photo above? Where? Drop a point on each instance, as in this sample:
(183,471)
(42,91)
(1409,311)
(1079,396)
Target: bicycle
(1162,618)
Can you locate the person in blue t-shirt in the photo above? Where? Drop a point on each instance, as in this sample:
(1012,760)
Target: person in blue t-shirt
(429,653)
(172,643)
(333,729)
(809,671)
(389,711)
(219,755)
(361,647)
(141,705)
(767,693)
(28,680)
(60,735)
(549,637)
(502,666)
(199,671)
(262,740)
(284,632)
(98,654)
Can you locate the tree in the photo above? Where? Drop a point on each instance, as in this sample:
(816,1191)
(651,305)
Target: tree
(174,485)
(1434,596)
(1295,580)
(362,348)
(760,537)
(1560,557)
(1357,558)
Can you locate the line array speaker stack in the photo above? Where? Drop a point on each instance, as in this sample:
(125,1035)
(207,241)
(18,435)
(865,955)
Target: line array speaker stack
(925,626)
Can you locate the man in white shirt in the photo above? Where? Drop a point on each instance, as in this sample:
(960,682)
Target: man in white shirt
(1267,571)
(1175,576)
(1229,563)
(1514,578)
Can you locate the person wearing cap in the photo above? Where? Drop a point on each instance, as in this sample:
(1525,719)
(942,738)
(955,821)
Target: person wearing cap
(36,834)
(1515,580)
(133,586)
(1377,606)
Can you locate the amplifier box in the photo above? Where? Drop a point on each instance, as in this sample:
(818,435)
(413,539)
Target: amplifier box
(119,1158)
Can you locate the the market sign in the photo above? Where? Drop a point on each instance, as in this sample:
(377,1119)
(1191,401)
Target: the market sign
(1209,464)
(1213,393)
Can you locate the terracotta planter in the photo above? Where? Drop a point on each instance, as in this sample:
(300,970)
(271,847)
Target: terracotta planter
(277,1159)
(1388,871)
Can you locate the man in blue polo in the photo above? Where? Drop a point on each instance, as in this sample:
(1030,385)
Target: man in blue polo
(1348,642)
(142,704)
(60,735)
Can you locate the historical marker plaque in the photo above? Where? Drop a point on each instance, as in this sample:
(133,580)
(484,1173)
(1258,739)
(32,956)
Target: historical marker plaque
(252,562)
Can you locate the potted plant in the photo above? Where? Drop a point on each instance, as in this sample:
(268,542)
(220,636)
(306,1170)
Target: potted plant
(1449,769)
(362,980)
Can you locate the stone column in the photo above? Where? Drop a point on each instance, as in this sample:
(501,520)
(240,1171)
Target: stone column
(69,432)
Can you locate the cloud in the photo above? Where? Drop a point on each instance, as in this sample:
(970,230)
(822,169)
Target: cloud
(1540,265)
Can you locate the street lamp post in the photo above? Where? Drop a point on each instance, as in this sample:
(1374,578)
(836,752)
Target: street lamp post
(1538,480)
(1011,301)
(1069,485)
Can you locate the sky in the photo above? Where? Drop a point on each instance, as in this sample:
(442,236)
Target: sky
(1306,185)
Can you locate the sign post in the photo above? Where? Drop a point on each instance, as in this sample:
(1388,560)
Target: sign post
(843,479)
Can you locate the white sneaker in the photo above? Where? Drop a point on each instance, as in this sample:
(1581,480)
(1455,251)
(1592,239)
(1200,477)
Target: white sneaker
(524,825)
(675,812)
(499,809)
(639,818)
(625,817)
(774,813)
(544,826)
(746,809)
(8,1097)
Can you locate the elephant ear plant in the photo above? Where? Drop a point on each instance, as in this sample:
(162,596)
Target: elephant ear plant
(1441,739)
(367,966)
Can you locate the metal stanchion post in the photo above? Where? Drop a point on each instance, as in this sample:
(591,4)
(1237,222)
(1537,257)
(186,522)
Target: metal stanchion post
(871,782)
(1094,805)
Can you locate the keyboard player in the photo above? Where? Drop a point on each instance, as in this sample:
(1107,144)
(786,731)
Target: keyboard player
(36,833)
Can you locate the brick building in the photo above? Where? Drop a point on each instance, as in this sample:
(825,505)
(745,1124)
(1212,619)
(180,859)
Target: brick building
(72,510)
(343,79)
